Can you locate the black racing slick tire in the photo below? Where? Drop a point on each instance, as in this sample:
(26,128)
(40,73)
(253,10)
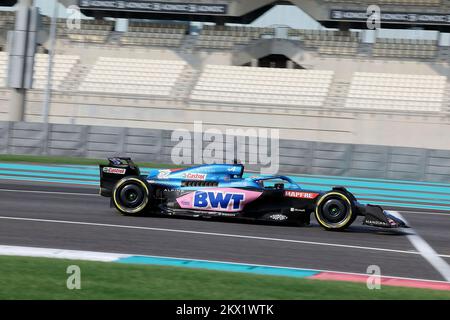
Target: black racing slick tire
(334,211)
(131,196)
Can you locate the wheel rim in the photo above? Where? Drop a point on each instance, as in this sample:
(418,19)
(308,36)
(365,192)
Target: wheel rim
(131,196)
(334,211)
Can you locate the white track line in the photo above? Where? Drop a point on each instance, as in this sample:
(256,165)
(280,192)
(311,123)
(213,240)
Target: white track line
(442,214)
(213,234)
(427,251)
(50,192)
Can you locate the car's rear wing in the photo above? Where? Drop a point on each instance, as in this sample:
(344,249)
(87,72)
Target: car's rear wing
(115,170)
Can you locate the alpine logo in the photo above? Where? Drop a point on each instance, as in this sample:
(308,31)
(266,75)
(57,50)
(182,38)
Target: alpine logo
(114,170)
(300,195)
(164,174)
(195,176)
(219,200)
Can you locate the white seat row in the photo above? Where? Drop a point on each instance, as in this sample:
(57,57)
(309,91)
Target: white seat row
(139,69)
(249,85)
(133,76)
(262,82)
(395,105)
(126,89)
(62,67)
(275,90)
(134,81)
(261,78)
(362,84)
(136,64)
(396,76)
(141,61)
(258,100)
(263,70)
(396,91)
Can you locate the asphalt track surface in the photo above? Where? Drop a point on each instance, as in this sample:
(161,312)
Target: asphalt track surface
(74,217)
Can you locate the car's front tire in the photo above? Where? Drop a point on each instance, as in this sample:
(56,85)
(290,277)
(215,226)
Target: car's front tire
(334,211)
(131,196)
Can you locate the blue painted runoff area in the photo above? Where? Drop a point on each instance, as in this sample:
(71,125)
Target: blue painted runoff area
(396,193)
(219,266)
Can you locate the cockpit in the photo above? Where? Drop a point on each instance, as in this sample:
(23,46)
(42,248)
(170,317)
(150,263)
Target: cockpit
(276,183)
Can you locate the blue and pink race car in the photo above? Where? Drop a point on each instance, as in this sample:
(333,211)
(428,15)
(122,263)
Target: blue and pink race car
(219,190)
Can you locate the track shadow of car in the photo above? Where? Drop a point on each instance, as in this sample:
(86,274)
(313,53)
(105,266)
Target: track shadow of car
(363,229)
(372,230)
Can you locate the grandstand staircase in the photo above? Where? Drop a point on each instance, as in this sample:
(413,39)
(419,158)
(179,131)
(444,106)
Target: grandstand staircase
(446,105)
(188,43)
(114,38)
(337,94)
(76,76)
(185,83)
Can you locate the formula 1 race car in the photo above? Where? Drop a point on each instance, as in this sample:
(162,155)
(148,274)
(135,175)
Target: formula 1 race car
(219,190)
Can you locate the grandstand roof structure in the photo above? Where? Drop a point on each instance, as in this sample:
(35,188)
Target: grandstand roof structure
(192,10)
(343,14)
(8,3)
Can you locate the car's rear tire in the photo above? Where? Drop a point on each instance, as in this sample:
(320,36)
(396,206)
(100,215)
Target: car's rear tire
(334,211)
(131,196)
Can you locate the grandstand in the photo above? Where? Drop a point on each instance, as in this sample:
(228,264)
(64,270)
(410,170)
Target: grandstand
(264,86)
(389,91)
(154,34)
(327,41)
(405,48)
(63,66)
(165,74)
(224,37)
(3,68)
(133,76)
(6,23)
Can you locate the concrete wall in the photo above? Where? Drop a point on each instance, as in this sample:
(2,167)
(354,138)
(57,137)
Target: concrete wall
(337,125)
(296,156)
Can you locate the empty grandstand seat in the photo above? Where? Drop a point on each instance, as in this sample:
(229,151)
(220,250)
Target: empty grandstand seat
(387,91)
(133,76)
(3,68)
(92,36)
(405,48)
(91,31)
(62,67)
(327,41)
(262,86)
(6,23)
(226,37)
(154,34)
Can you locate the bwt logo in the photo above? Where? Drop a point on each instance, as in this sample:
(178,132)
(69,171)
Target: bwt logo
(218,200)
